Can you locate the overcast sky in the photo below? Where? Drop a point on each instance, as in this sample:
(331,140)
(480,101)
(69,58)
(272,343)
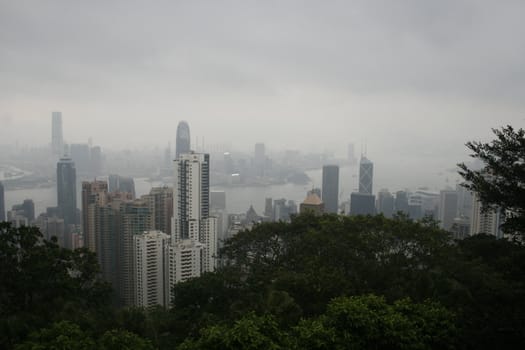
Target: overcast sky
(412,78)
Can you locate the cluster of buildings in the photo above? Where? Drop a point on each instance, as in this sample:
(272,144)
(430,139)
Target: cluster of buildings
(146,245)
(456,210)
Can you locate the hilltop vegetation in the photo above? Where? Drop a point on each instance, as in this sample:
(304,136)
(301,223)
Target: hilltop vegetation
(319,282)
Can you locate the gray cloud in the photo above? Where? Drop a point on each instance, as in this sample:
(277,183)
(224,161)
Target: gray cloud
(406,75)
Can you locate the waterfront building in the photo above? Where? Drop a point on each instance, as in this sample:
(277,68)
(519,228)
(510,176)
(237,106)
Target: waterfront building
(366,175)
(385,203)
(67,194)
(362,204)
(312,203)
(330,188)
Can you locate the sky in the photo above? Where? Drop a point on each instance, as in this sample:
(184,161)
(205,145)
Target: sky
(412,79)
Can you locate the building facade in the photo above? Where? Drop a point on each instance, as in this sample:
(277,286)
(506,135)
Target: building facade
(194,231)
(330,189)
(151,269)
(67,192)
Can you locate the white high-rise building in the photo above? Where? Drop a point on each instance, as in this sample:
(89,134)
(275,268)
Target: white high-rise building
(151,260)
(194,232)
(484,222)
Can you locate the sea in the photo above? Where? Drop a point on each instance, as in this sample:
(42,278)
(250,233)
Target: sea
(240,198)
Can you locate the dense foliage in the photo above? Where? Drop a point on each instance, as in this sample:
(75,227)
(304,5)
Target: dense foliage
(319,282)
(500,183)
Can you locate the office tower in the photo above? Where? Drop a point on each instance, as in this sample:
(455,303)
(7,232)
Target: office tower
(94,195)
(268,208)
(415,207)
(331,188)
(194,232)
(67,193)
(2,203)
(448,208)
(366,175)
(312,203)
(281,211)
(81,155)
(22,214)
(160,201)
(428,201)
(401,202)
(119,183)
(385,203)
(151,270)
(182,144)
(362,204)
(488,222)
(57,140)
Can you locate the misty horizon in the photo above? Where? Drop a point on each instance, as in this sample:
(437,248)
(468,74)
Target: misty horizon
(409,79)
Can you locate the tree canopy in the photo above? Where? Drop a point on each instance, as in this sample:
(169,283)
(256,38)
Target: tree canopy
(500,183)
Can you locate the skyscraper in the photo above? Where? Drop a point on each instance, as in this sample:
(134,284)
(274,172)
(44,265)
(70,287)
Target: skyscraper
(401,202)
(194,232)
(2,203)
(487,222)
(57,140)
(67,192)
(330,188)
(362,204)
(94,195)
(366,175)
(183,142)
(151,269)
(448,208)
(385,203)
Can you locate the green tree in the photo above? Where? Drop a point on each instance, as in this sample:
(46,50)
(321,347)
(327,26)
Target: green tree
(63,335)
(368,322)
(39,281)
(251,332)
(500,183)
(123,340)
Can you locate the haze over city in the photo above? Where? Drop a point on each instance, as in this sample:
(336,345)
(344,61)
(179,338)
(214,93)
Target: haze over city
(414,80)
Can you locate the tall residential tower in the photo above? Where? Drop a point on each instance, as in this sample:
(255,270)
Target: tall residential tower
(194,232)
